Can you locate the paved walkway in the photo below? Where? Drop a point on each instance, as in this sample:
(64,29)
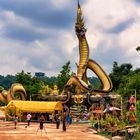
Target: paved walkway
(74,132)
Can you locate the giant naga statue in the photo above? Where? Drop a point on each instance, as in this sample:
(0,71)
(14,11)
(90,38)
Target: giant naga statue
(16,92)
(80,80)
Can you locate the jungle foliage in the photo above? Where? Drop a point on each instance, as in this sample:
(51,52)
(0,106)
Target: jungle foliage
(126,81)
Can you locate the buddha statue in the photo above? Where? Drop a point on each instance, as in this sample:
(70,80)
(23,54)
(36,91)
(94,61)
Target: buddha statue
(55,90)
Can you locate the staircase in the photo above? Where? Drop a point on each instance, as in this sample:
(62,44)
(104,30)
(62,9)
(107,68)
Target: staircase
(77,112)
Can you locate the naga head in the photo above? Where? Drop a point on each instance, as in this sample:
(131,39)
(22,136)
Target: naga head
(78,99)
(80,26)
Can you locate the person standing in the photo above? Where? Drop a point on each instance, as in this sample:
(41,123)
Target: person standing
(15,121)
(41,124)
(42,120)
(57,119)
(50,118)
(64,121)
(68,119)
(28,117)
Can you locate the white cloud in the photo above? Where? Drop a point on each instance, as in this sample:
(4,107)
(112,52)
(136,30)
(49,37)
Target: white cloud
(9,17)
(107,14)
(102,17)
(55,47)
(130,37)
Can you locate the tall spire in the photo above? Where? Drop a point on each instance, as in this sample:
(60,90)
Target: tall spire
(79,21)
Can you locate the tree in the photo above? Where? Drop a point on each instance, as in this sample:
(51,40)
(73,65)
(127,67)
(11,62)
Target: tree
(125,80)
(1,80)
(64,75)
(31,84)
(95,82)
(118,73)
(130,86)
(125,69)
(7,81)
(114,75)
(48,80)
(36,85)
(1,88)
(24,78)
(138,48)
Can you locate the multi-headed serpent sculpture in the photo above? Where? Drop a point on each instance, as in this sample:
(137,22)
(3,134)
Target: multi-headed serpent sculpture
(80,80)
(7,96)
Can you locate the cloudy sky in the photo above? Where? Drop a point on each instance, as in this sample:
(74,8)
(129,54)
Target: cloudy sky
(39,36)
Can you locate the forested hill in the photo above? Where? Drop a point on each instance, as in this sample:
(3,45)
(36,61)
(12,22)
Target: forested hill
(7,81)
(125,79)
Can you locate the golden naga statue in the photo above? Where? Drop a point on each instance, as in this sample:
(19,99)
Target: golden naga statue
(80,80)
(16,91)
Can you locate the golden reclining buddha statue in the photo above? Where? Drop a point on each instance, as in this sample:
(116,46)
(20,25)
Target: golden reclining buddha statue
(80,81)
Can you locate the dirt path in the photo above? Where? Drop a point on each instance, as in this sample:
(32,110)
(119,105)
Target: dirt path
(74,132)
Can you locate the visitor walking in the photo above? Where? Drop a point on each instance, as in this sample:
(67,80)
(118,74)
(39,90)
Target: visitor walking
(50,118)
(42,119)
(28,117)
(64,121)
(57,119)
(15,121)
(68,119)
(41,124)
